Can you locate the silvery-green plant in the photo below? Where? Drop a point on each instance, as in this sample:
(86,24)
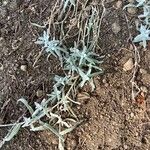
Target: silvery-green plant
(51,46)
(143,36)
(144,20)
(83,63)
(80,65)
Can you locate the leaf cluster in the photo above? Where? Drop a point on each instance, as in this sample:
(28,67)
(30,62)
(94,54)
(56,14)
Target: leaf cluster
(144,20)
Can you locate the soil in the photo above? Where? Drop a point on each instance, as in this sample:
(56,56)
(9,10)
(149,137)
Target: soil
(112,120)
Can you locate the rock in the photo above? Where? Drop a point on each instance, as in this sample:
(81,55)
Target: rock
(128,65)
(118,4)
(39,93)
(132,10)
(23,68)
(132,114)
(116,27)
(125,147)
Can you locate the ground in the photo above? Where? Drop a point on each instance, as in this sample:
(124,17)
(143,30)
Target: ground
(112,120)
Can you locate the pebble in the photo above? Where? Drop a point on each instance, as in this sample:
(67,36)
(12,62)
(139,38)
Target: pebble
(128,65)
(23,68)
(132,10)
(116,27)
(132,115)
(125,147)
(118,4)
(39,93)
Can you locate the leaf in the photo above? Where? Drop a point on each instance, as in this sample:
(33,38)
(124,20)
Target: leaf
(143,36)
(24,101)
(140,2)
(2,143)
(13,131)
(27,121)
(72,2)
(70,129)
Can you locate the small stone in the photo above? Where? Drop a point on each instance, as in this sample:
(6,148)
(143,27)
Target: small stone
(132,10)
(128,65)
(116,27)
(131,47)
(144,89)
(132,115)
(23,68)
(118,4)
(39,93)
(125,147)
(143,71)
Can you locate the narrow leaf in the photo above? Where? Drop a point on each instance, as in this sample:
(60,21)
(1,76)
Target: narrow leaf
(47,126)
(13,131)
(26,104)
